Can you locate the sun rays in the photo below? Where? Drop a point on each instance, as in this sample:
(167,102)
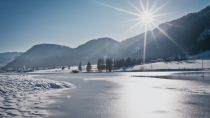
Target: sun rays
(146,15)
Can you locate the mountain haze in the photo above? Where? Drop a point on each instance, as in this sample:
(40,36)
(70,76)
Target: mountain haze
(49,55)
(7,57)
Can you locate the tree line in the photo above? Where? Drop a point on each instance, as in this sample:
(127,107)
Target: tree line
(105,64)
(110,64)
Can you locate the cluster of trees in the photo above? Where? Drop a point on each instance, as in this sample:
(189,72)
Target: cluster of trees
(128,62)
(80,66)
(109,64)
(175,58)
(88,67)
(106,64)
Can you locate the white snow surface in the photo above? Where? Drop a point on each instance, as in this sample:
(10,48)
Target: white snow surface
(178,65)
(23,96)
(66,70)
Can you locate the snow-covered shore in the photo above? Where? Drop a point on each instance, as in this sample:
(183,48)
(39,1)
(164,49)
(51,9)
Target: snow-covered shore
(24,96)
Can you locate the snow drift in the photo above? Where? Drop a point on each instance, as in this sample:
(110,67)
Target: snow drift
(23,96)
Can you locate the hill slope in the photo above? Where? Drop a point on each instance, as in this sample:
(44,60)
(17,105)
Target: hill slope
(186,33)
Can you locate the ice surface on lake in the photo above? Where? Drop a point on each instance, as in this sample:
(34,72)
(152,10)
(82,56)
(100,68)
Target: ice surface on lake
(23,96)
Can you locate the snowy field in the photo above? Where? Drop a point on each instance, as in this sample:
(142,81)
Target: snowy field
(23,96)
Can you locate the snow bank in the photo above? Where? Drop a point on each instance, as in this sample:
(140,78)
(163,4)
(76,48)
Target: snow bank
(56,70)
(23,96)
(66,70)
(178,65)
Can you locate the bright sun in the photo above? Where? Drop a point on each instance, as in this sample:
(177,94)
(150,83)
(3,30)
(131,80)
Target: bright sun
(147,18)
(146,15)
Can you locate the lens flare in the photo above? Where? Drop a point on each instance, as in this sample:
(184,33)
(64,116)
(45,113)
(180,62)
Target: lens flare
(146,15)
(146,18)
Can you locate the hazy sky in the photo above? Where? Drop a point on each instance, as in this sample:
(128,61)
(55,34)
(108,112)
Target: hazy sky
(24,23)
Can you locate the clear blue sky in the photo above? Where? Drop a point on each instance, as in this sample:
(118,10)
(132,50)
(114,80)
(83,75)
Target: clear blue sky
(24,23)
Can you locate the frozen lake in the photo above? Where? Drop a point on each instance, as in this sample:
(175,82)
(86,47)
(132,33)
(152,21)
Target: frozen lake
(122,95)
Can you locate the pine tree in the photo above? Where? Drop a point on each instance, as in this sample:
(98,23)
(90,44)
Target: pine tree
(88,67)
(80,66)
(100,64)
(109,64)
(128,62)
(115,64)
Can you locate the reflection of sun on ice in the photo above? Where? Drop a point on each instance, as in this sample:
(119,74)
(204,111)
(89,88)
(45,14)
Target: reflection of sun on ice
(141,99)
(146,18)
